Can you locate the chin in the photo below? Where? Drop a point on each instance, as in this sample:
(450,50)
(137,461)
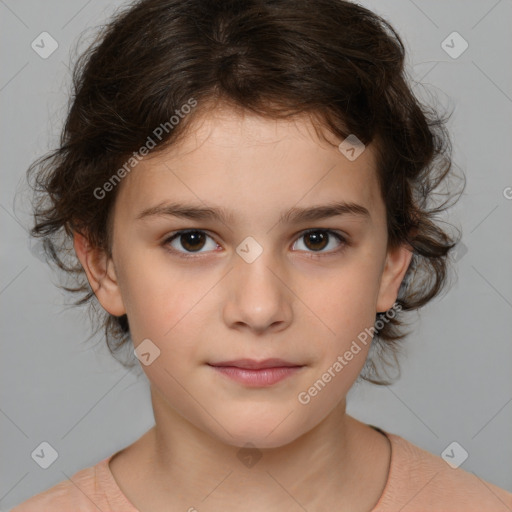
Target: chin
(261,434)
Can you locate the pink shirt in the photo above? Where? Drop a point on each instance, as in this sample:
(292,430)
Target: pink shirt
(417,481)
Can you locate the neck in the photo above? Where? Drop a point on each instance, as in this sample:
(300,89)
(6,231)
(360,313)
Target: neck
(340,456)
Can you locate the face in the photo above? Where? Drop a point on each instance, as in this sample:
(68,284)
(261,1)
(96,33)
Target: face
(250,240)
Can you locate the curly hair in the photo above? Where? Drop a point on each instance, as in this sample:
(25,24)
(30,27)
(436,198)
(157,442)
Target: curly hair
(332,59)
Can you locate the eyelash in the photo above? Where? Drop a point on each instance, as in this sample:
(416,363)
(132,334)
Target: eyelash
(313,254)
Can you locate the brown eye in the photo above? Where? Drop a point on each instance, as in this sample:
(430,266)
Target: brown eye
(189,241)
(193,240)
(316,240)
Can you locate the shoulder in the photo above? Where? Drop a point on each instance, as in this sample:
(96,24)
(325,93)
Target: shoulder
(66,495)
(419,480)
(88,490)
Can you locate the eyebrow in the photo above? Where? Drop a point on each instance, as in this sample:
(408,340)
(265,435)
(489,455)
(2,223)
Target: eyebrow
(292,216)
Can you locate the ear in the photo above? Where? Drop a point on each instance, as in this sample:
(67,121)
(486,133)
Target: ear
(395,268)
(100,274)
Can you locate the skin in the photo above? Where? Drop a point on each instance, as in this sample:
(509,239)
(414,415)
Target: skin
(300,300)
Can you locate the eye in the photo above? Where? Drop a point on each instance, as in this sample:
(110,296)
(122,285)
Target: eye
(193,240)
(319,239)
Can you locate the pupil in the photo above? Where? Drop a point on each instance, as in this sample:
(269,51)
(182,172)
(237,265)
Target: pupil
(317,237)
(195,237)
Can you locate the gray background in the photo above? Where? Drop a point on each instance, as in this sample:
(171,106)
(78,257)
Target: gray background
(456,382)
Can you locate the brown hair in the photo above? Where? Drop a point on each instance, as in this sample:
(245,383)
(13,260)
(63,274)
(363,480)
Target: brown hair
(331,59)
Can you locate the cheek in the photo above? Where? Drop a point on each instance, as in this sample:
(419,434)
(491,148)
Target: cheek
(157,296)
(166,310)
(343,302)
(162,310)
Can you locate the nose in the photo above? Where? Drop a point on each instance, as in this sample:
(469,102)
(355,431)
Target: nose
(259,298)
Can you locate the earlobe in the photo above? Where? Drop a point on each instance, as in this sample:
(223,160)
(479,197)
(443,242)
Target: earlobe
(395,268)
(101,275)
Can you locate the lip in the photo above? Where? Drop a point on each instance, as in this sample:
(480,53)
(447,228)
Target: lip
(253,364)
(254,373)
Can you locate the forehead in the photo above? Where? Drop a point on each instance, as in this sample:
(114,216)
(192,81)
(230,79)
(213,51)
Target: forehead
(252,165)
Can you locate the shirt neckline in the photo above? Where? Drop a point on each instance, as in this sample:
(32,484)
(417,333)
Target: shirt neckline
(393,445)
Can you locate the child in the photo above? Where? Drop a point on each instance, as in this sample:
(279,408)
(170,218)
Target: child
(282,139)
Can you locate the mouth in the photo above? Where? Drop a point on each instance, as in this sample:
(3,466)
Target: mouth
(254,373)
(253,364)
